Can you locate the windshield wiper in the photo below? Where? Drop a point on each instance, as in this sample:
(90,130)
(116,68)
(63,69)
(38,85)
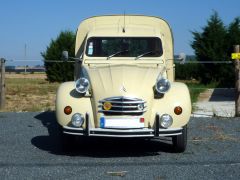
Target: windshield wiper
(146,53)
(119,52)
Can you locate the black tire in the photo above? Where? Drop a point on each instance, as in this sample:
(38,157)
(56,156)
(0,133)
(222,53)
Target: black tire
(180,141)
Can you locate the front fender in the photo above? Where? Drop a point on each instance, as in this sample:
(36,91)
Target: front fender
(178,95)
(67,96)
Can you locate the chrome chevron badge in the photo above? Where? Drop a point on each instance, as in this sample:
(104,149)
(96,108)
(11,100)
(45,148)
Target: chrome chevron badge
(123,89)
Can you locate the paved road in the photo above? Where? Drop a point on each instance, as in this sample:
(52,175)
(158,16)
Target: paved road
(29,149)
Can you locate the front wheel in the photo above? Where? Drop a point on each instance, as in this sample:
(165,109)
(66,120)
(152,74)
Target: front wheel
(180,141)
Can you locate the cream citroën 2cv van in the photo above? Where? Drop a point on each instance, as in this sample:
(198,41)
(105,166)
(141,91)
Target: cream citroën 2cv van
(124,82)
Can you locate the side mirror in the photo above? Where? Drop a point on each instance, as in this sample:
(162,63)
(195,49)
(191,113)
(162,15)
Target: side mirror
(65,55)
(182,58)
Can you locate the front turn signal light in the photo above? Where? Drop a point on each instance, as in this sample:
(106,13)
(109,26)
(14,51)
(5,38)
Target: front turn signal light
(178,110)
(68,110)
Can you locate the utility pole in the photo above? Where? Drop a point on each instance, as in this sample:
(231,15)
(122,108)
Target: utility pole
(25,58)
(2,84)
(237,75)
(25,51)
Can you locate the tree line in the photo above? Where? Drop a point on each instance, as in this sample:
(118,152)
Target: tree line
(214,43)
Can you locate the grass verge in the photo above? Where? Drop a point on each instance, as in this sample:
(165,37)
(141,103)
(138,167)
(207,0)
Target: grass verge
(29,94)
(196,88)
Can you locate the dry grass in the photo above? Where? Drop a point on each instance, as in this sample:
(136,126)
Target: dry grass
(26,76)
(26,93)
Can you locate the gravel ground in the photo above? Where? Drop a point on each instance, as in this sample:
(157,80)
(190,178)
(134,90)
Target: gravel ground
(30,149)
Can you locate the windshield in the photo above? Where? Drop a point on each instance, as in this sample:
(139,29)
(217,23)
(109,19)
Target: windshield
(124,47)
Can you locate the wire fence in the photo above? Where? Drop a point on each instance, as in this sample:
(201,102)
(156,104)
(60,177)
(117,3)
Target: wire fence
(175,61)
(199,94)
(204,62)
(32,69)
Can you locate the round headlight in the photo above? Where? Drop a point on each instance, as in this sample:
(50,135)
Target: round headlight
(166,121)
(162,85)
(82,85)
(77,120)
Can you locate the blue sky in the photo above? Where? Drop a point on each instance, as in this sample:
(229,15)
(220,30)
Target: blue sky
(35,23)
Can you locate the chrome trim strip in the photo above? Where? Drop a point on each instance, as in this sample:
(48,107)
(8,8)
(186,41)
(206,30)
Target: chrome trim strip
(126,136)
(77,134)
(170,129)
(122,97)
(72,128)
(122,136)
(100,106)
(145,132)
(125,106)
(113,111)
(123,102)
(123,130)
(165,135)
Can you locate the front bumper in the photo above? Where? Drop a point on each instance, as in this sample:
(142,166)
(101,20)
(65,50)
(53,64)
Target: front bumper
(128,133)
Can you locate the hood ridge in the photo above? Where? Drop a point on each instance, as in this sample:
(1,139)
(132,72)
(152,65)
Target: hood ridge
(101,80)
(111,77)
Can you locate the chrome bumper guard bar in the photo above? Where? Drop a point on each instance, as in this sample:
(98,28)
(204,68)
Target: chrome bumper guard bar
(142,132)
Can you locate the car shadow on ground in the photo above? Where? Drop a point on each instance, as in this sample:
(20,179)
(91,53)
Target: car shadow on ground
(223,94)
(97,147)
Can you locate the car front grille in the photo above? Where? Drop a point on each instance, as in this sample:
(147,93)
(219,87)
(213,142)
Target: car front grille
(123,106)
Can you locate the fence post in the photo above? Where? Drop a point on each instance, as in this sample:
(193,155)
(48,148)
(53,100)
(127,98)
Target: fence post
(2,84)
(237,75)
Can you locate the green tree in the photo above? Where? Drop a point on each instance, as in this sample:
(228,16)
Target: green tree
(188,71)
(233,38)
(234,33)
(211,45)
(60,71)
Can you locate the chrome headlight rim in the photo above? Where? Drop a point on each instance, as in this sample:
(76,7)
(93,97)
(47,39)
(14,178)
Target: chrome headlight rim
(77,120)
(82,85)
(166,121)
(162,85)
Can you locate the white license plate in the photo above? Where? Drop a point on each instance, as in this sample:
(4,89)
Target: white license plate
(121,123)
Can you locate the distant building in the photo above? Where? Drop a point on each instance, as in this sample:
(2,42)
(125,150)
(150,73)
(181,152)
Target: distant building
(9,68)
(29,69)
